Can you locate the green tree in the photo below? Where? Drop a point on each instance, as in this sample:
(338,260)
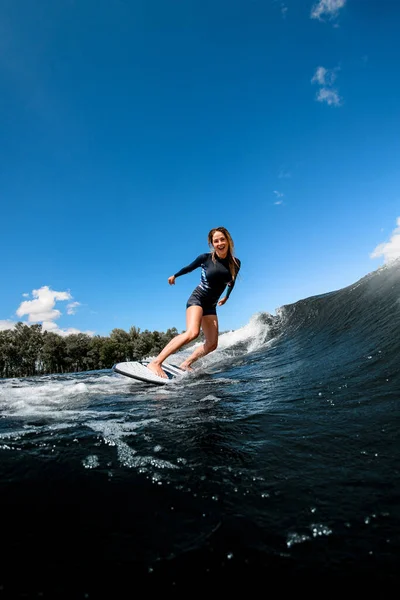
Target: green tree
(8,354)
(26,350)
(94,353)
(77,346)
(29,342)
(53,353)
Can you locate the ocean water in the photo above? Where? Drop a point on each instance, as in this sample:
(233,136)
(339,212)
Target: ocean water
(275,464)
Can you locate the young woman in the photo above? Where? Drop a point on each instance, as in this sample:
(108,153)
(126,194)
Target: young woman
(219,269)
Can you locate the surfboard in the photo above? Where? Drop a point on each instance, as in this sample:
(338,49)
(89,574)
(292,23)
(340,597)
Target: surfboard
(138,370)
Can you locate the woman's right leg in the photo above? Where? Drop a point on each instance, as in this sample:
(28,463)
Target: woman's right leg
(194,315)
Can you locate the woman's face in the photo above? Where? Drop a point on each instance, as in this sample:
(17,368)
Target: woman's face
(220,244)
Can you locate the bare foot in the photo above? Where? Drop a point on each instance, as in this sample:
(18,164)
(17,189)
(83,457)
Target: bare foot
(157,370)
(185,367)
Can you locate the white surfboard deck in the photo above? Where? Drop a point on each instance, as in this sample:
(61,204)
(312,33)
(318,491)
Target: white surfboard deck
(138,370)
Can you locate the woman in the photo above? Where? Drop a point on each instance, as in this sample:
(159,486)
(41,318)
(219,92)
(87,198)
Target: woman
(219,269)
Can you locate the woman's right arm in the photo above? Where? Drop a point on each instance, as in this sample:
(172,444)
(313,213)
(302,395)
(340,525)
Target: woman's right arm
(194,265)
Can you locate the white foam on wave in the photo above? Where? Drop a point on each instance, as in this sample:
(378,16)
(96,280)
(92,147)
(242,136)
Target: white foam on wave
(253,335)
(46,395)
(13,398)
(242,341)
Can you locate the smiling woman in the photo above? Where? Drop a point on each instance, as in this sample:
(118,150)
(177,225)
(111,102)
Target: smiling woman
(219,268)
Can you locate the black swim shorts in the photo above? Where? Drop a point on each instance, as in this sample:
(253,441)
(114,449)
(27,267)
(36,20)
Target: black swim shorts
(209,308)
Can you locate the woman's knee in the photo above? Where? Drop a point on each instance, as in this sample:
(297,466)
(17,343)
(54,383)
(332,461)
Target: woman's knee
(192,334)
(211,346)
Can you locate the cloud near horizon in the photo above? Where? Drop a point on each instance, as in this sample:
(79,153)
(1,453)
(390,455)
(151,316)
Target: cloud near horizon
(6,324)
(389,250)
(42,310)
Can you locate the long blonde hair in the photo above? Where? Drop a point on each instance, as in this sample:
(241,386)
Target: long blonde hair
(233,264)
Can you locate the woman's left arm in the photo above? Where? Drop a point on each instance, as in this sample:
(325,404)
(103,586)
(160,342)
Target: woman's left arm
(230,286)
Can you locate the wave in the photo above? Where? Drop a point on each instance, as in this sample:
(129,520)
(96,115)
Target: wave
(372,304)
(353,329)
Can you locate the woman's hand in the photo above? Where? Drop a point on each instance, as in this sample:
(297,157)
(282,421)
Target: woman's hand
(222,301)
(171,280)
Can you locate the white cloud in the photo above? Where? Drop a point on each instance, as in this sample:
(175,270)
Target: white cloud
(330,96)
(319,75)
(71,307)
(389,250)
(328,8)
(42,307)
(6,325)
(42,310)
(53,327)
(50,326)
(324,76)
(279,197)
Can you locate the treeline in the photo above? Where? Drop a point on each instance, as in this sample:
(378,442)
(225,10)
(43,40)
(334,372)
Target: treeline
(26,350)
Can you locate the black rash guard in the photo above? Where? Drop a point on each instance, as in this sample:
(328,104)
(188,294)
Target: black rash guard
(215,276)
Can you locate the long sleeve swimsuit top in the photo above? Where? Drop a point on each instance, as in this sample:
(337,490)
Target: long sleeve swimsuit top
(215,276)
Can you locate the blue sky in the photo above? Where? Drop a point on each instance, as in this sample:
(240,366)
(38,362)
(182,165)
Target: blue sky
(130,129)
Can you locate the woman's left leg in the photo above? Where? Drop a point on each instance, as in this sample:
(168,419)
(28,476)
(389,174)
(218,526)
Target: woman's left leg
(209,325)
(194,315)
